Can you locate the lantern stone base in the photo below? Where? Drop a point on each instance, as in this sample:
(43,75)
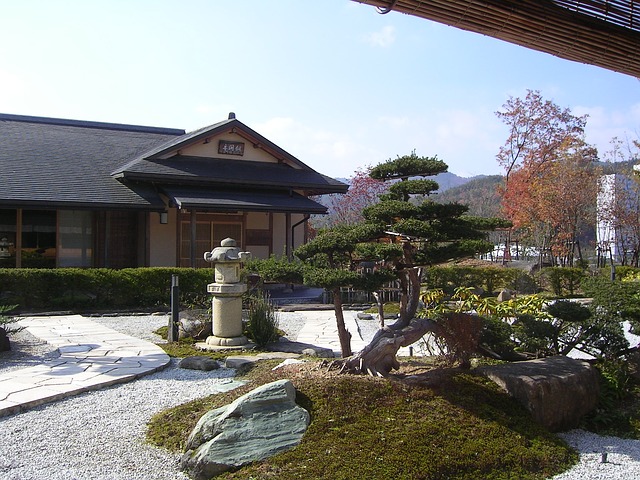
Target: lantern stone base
(227,341)
(214,343)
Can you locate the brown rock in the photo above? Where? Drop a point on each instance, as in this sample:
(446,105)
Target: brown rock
(557,391)
(199,362)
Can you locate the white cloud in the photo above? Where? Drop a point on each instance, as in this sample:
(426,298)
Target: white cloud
(467,140)
(334,152)
(394,122)
(603,125)
(383,38)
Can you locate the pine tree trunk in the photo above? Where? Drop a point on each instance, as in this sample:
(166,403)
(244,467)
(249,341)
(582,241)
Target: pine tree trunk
(380,304)
(343,334)
(379,357)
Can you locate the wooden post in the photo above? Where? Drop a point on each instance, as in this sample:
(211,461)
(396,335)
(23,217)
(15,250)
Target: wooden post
(172,334)
(192,244)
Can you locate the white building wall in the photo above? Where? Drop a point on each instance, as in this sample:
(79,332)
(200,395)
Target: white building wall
(608,236)
(162,240)
(605,233)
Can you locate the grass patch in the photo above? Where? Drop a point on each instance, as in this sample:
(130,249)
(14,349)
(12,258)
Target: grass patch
(185,347)
(456,426)
(390,308)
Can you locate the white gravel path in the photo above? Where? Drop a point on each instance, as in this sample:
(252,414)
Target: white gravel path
(622,457)
(99,435)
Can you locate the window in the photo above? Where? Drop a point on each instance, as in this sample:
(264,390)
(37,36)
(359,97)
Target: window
(75,238)
(210,231)
(8,238)
(38,239)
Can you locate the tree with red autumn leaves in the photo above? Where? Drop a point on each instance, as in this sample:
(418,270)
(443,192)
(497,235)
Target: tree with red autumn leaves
(346,209)
(551,175)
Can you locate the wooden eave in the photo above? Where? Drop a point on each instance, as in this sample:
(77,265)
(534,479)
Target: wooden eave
(604,33)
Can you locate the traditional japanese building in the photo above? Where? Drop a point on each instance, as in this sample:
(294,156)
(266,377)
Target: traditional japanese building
(91,194)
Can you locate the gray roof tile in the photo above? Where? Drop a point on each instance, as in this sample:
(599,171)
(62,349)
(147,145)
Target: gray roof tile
(220,171)
(45,163)
(247,200)
(48,162)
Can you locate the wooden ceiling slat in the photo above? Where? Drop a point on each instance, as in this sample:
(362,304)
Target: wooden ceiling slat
(602,33)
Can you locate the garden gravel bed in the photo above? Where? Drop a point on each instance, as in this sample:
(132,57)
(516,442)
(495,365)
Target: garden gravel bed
(101,434)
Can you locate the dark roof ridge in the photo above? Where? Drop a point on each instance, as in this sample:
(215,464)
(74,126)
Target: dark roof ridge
(185,137)
(173,144)
(89,124)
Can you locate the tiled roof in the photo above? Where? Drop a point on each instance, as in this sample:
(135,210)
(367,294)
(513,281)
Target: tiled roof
(243,200)
(169,148)
(219,171)
(46,162)
(157,151)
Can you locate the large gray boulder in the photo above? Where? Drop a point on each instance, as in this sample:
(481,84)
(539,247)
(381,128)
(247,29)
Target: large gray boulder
(194,324)
(199,362)
(256,426)
(288,346)
(558,391)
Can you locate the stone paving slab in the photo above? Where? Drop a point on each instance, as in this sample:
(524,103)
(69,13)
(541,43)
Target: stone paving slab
(320,330)
(92,356)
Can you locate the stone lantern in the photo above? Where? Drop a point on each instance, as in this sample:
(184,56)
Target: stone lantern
(227,295)
(4,248)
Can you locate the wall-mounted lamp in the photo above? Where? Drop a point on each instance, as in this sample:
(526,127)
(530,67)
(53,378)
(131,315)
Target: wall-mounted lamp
(164,218)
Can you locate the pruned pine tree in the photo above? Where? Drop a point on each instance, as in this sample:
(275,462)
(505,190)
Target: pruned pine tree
(400,238)
(333,259)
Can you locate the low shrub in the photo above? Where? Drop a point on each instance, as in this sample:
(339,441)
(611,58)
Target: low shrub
(489,279)
(616,387)
(8,322)
(35,289)
(263,320)
(562,280)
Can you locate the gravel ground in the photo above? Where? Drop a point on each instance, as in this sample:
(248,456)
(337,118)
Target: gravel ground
(100,434)
(26,351)
(622,457)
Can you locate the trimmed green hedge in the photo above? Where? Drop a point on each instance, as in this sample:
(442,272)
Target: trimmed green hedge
(558,281)
(489,279)
(100,288)
(562,281)
(76,289)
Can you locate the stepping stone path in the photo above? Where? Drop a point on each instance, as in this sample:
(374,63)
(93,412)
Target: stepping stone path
(92,356)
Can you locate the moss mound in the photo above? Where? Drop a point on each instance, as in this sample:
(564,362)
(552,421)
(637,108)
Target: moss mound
(444,424)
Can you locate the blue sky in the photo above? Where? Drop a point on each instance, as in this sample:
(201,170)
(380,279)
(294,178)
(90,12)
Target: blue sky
(332,82)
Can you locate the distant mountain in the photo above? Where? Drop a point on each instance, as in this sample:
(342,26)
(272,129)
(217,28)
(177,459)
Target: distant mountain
(449,180)
(478,193)
(617,167)
(445,180)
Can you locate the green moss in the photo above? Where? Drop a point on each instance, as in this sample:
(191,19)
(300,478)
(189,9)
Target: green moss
(389,308)
(362,427)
